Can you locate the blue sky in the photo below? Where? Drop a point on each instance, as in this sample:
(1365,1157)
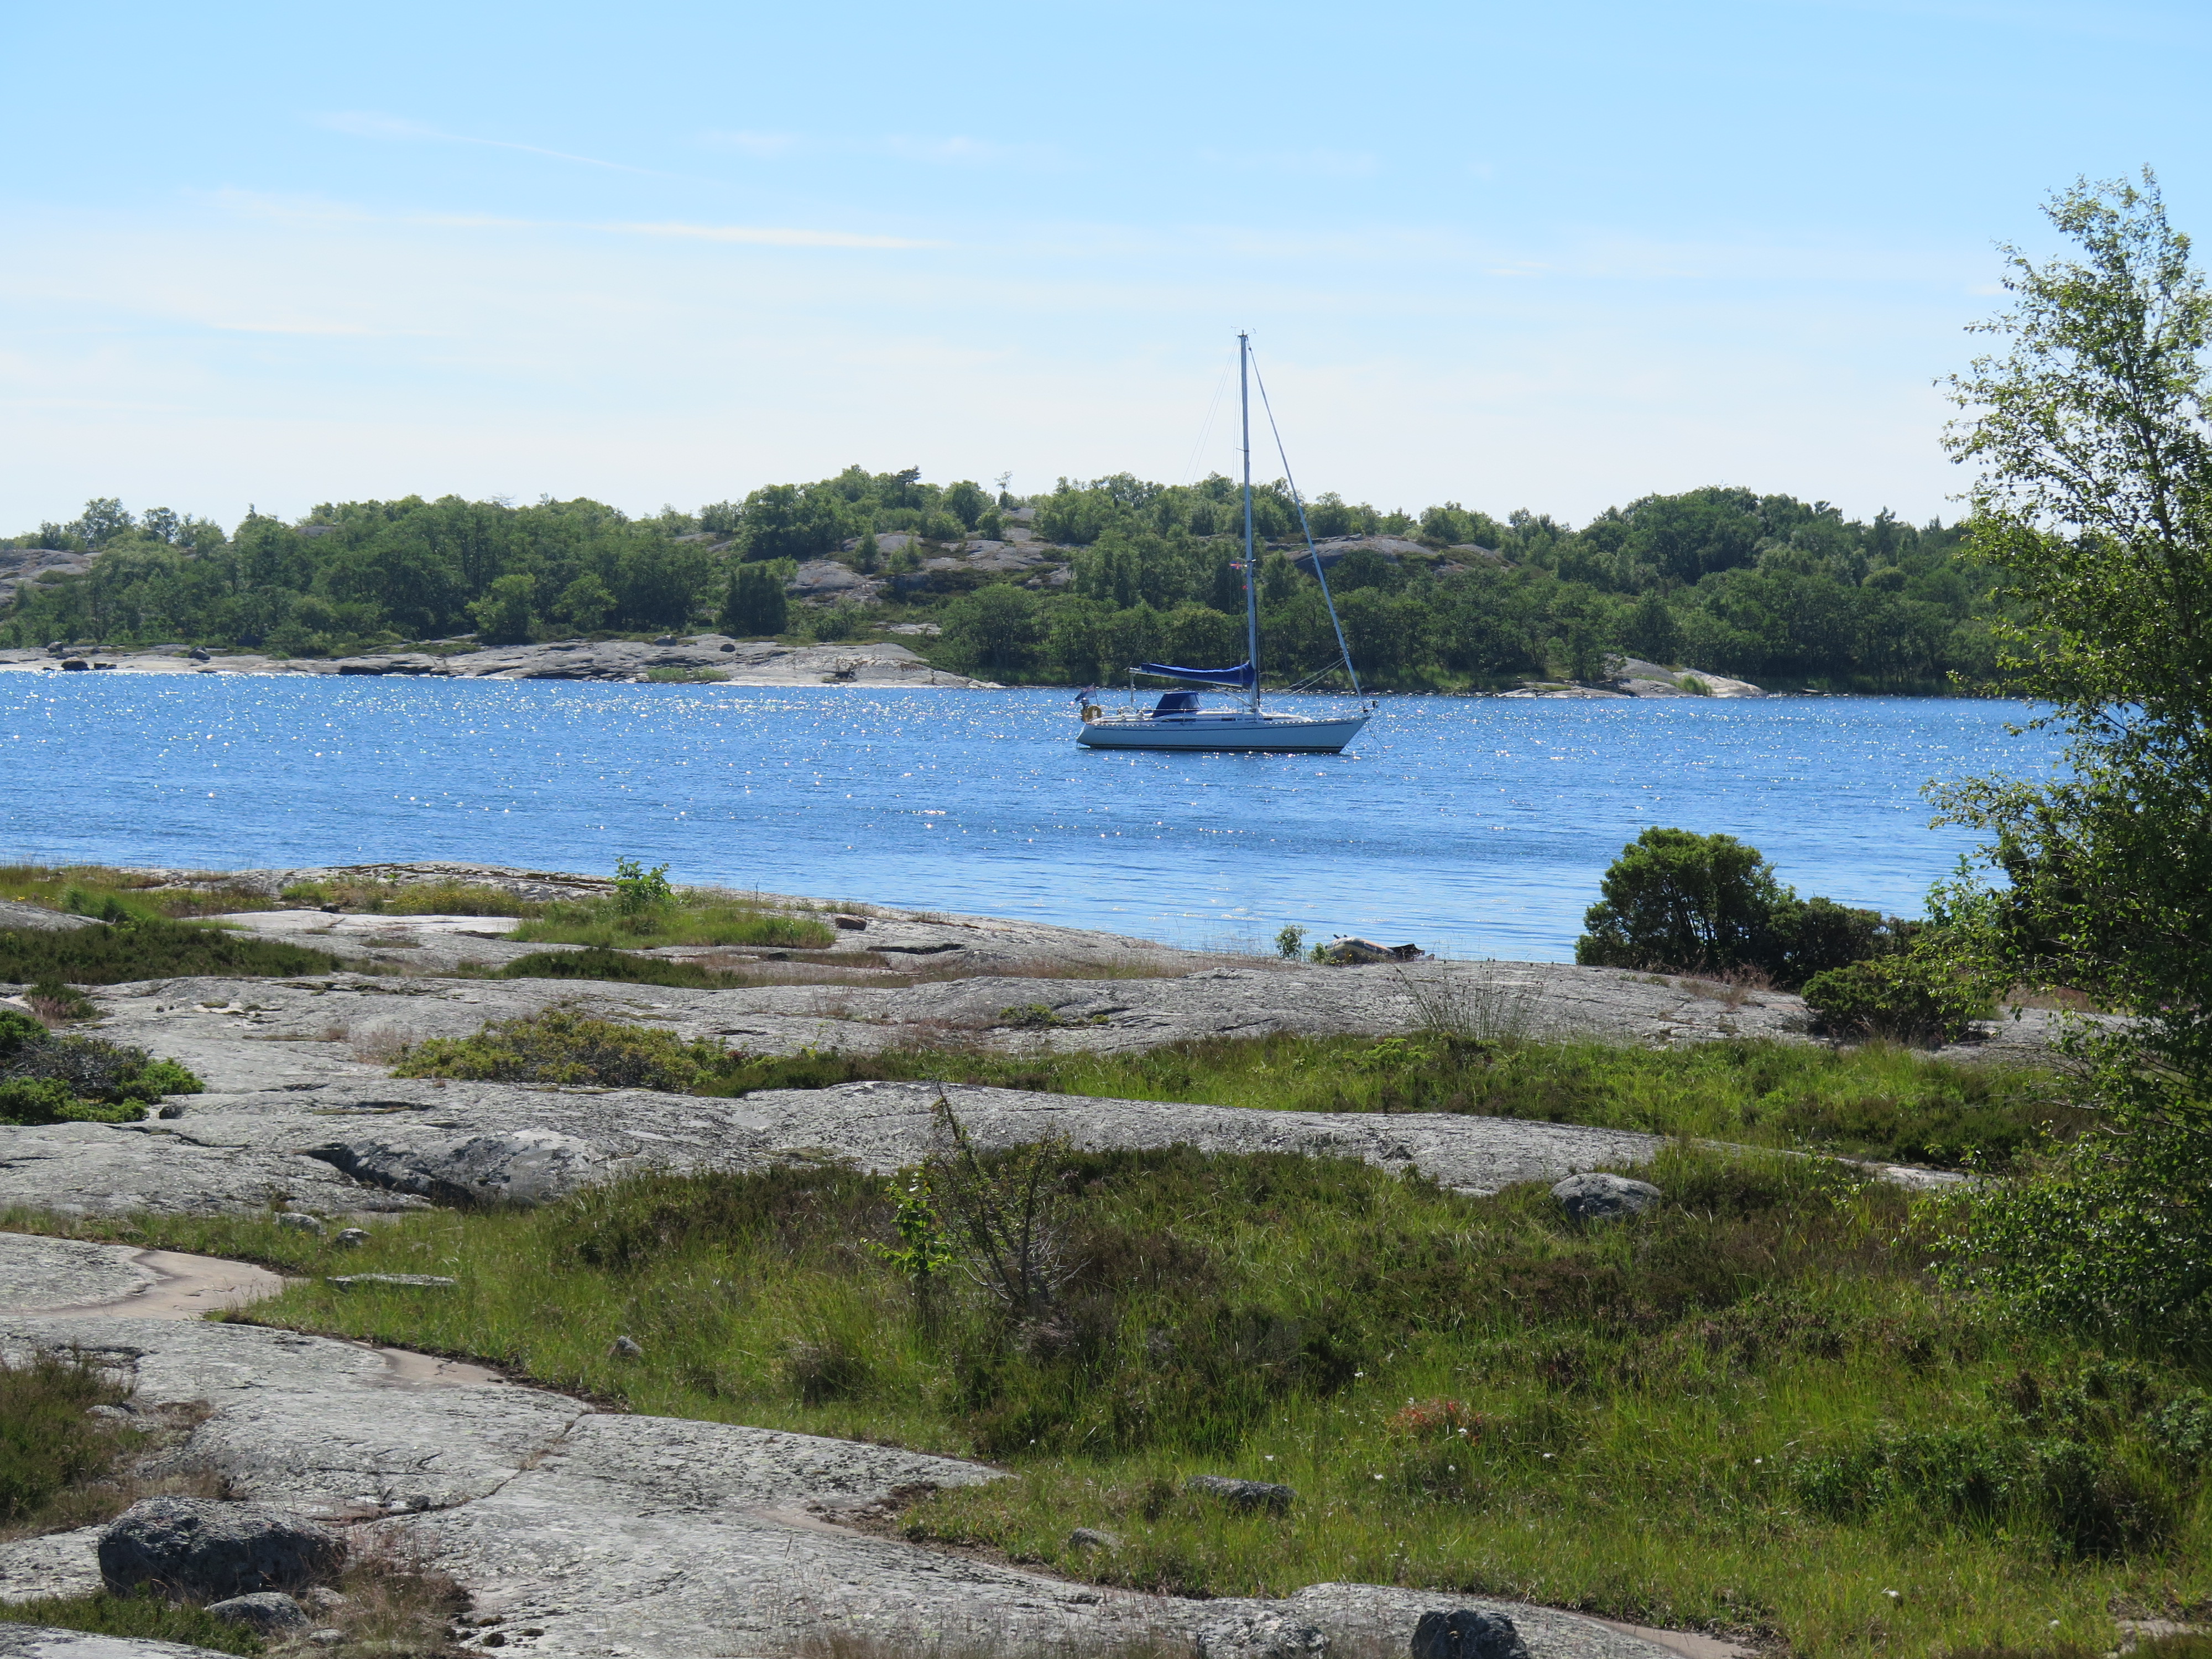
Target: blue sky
(1551,256)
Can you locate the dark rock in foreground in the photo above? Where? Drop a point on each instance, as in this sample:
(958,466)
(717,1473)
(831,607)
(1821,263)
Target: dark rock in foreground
(203,1548)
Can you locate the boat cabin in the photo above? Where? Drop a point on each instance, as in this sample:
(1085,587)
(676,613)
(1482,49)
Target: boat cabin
(1176,702)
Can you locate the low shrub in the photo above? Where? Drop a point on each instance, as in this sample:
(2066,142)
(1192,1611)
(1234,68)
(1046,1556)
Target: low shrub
(49,1078)
(1910,998)
(619,968)
(116,955)
(562,1046)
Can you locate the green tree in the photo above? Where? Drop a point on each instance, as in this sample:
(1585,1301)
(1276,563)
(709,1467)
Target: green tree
(2094,500)
(995,628)
(756,605)
(503,616)
(792,521)
(1678,900)
(585,603)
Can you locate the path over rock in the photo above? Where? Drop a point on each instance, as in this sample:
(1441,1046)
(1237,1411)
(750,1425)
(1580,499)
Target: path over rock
(653,1537)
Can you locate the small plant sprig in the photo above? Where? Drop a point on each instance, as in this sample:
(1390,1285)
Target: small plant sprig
(923,1252)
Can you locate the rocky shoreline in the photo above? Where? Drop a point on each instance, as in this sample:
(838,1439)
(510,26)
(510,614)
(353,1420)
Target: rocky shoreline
(610,1536)
(709,657)
(701,657)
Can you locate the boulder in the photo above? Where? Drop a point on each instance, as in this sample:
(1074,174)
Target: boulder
(14,914)
(1242,1494)
(1356,952)
(205,1548)
(1258,1636)
(266,1611)
(1091,1538)
(1596,1197)
(300,1222)
(1466,1633)
(521,1166)
(403,1281)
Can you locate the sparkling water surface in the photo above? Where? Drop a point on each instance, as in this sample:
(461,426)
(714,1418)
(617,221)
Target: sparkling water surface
(1475,826)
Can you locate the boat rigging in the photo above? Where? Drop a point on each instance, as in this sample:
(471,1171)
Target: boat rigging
(1179,720)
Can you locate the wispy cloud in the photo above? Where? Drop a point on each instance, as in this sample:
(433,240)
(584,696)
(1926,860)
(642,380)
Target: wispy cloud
(362,124)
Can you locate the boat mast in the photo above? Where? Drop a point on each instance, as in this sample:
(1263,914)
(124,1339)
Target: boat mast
(1251,570)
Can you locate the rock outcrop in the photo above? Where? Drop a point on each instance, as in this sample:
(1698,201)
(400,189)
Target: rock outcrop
(617,1534)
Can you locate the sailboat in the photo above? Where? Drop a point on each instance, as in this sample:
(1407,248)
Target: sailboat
(1179,720)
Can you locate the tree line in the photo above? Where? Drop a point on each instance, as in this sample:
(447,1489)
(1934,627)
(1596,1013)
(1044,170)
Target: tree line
(1766,587)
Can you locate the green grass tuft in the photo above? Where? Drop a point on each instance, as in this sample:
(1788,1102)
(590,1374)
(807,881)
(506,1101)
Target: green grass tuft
(562,1046)
(620,967)
(146,1617)
(47,1440)
(696,916)
(1876,1101)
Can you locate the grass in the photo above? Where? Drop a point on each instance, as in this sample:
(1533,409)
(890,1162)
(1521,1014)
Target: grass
(144,1617)
(1876,1101)
(89,889)
(598,961)
(388,1606)
(413,898)
(686,676)
(152,949)
(694,916)
(1751,1411)
(48,1440)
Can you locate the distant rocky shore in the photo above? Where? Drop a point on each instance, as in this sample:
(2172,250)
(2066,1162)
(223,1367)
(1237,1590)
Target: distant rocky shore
(717,657)
(690,656)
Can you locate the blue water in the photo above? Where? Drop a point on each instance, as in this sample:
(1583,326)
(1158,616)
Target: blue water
(1476,826)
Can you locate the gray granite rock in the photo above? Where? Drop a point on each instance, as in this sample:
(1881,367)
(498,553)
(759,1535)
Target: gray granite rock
(42,1642)
(1242,1494)
(1599,1197)
(1258,1636)
(515,1166)
(666,1538)
(1467,1633)
(209,1549)
(269,1613)
(13,914)
(56,1273)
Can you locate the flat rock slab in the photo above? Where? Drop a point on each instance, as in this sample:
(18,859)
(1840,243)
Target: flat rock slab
(40,1642)
(48,1273)
(343,1147)
(654,1537)
(15,914)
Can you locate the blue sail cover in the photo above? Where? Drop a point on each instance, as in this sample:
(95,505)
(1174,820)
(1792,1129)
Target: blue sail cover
(1240,675)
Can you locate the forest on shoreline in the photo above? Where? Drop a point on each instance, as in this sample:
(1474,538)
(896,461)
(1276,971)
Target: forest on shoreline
(1068,586)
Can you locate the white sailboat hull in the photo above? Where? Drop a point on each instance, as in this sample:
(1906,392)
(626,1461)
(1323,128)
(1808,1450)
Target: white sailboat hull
(1231,731)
